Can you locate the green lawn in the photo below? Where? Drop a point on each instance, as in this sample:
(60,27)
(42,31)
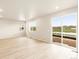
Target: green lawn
(66,29)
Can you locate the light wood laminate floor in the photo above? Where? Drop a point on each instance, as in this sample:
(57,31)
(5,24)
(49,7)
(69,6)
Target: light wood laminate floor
(24,48)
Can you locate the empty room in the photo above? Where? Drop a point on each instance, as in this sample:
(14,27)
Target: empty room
(38,29)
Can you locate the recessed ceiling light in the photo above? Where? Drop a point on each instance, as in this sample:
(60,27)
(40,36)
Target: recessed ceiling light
(57,7)
(1,10)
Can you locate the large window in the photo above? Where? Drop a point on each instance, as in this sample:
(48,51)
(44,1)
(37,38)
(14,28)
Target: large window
(56,29)
(64,29)
(69,29)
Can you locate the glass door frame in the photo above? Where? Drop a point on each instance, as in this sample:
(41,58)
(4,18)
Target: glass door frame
(62,32)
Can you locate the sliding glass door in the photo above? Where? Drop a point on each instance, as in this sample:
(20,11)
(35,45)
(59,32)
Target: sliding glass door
(69,29)
(64,29)
(56,29)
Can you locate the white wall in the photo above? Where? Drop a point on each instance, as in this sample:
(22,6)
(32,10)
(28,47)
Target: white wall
(44,26)
(10,29)
(43,29)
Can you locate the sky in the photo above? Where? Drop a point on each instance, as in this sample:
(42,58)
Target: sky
(70,19)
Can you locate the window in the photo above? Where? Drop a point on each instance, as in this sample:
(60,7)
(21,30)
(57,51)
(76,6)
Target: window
(69,29)
(64,29)
(56,29)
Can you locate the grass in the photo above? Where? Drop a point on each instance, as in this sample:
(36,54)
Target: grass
(67,29)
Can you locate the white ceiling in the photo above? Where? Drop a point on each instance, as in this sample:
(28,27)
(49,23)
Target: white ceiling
(15,9)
